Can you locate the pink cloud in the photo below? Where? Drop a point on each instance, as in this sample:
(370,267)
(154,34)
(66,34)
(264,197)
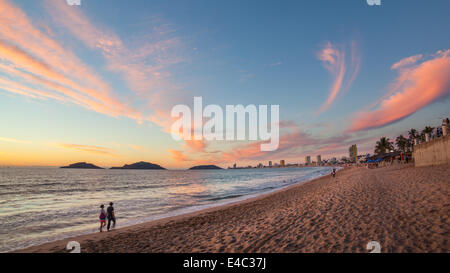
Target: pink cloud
(88,148)
(334,59)
(178,156)
(41,60)
(142,62)
(19,30)
(295,143)
(294,147)
(138,148)
(406,62)
(195,145)
(415,88)
(165,121)
(14,87)
(290,141)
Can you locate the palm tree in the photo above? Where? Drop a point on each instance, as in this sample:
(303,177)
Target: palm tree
(401,143)
(427,130)
(412,135)
(383,145)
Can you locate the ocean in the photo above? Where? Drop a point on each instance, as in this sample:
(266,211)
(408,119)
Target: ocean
(39,205)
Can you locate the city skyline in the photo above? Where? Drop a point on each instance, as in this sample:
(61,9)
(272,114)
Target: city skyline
(97,82)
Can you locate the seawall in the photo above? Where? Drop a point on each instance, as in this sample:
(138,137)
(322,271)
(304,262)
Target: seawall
(435,152)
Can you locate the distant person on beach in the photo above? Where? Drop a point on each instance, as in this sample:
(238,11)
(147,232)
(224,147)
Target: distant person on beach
(111,216)
(102,217)
(333,172)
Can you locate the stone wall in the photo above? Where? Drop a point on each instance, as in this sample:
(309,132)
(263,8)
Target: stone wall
(435,152)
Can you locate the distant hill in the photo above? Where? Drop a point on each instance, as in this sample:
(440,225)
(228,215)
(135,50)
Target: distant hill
(81,165)
(206,167)
(140,166)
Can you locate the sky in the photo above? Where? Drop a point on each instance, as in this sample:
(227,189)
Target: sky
(97,82)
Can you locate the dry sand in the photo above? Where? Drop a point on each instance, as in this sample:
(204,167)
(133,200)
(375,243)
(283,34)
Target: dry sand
(405,209)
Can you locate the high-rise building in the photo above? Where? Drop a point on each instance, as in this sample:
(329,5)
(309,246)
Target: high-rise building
(319,159)
(282,163)
(270,163)
(353,152)
(308,160)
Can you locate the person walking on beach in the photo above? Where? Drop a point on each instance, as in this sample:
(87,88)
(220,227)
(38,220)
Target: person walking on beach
(102,217)
(111,216)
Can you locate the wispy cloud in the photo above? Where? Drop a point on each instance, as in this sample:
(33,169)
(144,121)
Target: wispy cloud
(415,88)
(87,148)
(179,156)
(40,60)
(335,61)
(12,140)
(143,62)
(195,145)
(276,64)
(406,62)
(139,148)
(295,142)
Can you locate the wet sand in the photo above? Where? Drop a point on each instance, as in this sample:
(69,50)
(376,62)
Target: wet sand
(405,209)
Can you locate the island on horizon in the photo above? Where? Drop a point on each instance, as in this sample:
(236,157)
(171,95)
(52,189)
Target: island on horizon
(206,167)
(81,165)
(140,166)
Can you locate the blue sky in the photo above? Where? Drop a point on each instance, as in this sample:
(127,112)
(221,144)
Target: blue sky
(228,52)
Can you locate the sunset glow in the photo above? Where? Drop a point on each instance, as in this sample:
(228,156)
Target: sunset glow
(97,82)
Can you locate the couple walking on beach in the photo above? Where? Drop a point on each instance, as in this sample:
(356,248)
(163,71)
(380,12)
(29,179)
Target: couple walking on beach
(109,213)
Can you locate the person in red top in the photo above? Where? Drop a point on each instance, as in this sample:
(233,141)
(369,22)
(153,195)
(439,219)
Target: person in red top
(102,217)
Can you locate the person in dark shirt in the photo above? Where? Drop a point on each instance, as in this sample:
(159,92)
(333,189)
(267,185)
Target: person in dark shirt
(111,216)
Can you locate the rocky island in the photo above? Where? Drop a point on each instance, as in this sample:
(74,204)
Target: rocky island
(139,166)
(206,167)
(81,165)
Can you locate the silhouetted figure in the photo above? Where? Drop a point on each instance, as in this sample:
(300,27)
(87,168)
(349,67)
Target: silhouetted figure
(111,216)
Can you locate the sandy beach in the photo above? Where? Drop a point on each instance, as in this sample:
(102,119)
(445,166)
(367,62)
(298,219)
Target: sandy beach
(405,209)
